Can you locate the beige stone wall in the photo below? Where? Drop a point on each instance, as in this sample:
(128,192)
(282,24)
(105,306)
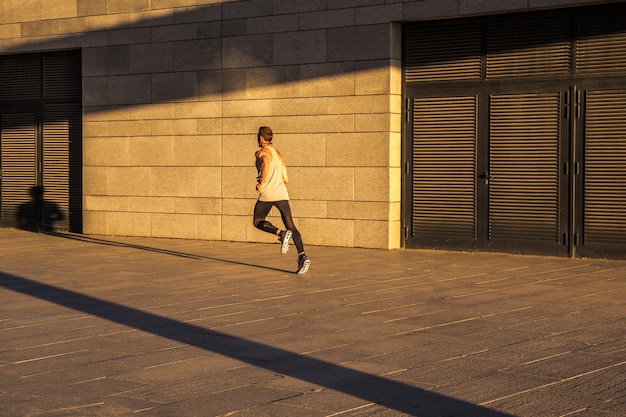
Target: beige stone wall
(175,90)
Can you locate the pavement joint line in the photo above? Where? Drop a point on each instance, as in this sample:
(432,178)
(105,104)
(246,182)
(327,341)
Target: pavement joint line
(553,383)
(41,358)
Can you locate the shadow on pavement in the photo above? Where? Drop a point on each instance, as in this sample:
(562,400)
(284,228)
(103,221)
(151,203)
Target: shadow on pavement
(372,388)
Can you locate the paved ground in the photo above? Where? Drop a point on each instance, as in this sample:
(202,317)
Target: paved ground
(103,326)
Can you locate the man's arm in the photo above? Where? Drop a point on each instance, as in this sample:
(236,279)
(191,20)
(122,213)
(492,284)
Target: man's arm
(263,159)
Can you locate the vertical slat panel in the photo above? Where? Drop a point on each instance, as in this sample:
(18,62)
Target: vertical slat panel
(18,152)
(444,157)
(524,167)
(605,167)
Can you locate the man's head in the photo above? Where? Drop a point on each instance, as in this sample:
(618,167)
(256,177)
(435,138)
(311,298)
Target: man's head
(266,134)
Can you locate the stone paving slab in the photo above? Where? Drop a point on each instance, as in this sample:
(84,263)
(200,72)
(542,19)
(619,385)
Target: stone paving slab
(122,326)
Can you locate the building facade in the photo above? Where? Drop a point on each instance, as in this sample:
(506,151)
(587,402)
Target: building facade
(454,124)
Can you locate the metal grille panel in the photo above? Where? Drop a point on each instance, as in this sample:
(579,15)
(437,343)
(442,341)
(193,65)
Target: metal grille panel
(524,161)
(444,155)
(530,46)
(18,152)
(605,167)
(437,53)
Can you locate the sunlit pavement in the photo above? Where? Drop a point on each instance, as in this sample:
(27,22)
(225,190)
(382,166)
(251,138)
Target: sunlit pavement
(120,326)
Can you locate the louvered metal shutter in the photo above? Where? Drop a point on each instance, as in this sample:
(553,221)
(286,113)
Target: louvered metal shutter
(601,42)
(444,157)
(524,164)
(20,78)
(56,168)
(18,153)
(605,167)
(535,45)
(436,52)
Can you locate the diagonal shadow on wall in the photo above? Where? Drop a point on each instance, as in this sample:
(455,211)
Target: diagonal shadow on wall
(372,388)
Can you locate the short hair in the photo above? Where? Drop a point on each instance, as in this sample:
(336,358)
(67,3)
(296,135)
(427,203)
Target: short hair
(265,133)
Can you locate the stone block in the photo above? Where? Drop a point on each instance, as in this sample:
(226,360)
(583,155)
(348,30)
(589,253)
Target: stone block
(371,184)
(95,222)
(182,226)
(174,181)
(309,208)
(105,203)
(329,123)
(238,150)
(358,210)
(372,122)
(166,4)
(128,181)
(210,181)
(469,7)
(149,112)
(318,232)
(358,43)
(121,128)
(234,228)
(130,37)
(198,109)
(122,6)
(95,91)
(372,77)
(250,8)
(298,6)
(174,127)
(210,85)
(328,184)
(371,234)
(152,57)
(197,54)
(243,108)
(171,33)
(210,227)
(120,223)
(95,129)
(327,80)
(236,182)
(91,7)
(109,60)
(39,28)
(327,19)
(129,89)
(247,51)
(142,224)
(297,149)
(10,30)
(302,47)
(386,13)
(355,149)
(109,151)
(201,151)
(94,180)
(151,151)
(358,104)
(272,24)
(415,10)
(105,113)
(238,207)
(211,126)
(297,106)
(174,86)
(20,11)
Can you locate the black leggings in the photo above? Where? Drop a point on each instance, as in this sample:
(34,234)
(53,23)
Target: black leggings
(262,209)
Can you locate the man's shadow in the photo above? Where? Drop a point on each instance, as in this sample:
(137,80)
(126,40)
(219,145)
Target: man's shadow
(38,214)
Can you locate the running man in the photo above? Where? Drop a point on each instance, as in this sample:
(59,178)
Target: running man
(271,185)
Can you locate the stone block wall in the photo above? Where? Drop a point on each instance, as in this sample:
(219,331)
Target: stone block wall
(175,90)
